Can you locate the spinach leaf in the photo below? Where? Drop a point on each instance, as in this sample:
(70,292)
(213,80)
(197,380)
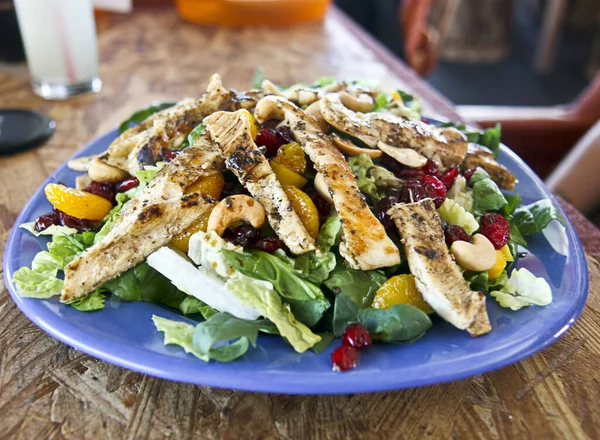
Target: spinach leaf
(143,113)
(399,323)
(486,194)
(535,217)
(358,285)
(345,312)
(326,340)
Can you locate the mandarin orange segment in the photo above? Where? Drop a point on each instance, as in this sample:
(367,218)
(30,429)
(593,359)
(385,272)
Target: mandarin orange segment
(77,203)
(182,241)
(400,289)
(305,208)
(254,127)
(211,185)
(287,176)
(292,157)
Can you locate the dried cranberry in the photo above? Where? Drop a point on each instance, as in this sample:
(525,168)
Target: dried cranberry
(103,189)
(400,170)
(268,138)
(127,184)
(284,134)
(468,174)
(382,208)
(430,168)
(270,124)
(244,235)
(43,222)
(449,177)
(269,244)
(455,233)
(322,205)
(344,358)
(434,188)
(495,227)
(424,121)
(231,188)
(77,223)
(410,192)
(355,335)
(169,155)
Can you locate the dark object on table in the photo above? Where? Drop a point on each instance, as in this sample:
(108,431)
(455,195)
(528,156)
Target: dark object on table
(11,45)
(23,129)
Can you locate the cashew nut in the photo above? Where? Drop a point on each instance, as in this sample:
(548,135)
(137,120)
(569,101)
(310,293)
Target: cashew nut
(363,103)
(81,163)
(477,256)
(406,156)
(315,110)
(348,147)
(101,172)
(322,188)
(236,208)
(302,96)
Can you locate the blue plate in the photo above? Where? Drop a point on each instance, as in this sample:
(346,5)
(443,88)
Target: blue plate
(123,333)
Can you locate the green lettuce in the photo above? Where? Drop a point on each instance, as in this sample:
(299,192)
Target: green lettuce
(144,113)
(455,214)
(261,296)
(306,299)
(360,166)
(178,333)
(486,194)
(489,138)
(51,231)
(533,218)
(316,269)
(461,194)
(521,289)
(358,285)
(90,302)
(196,133)
(148,173)
(259,76)
(111,218)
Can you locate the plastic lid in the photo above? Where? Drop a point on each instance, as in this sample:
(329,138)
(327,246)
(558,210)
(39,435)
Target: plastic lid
(23,129)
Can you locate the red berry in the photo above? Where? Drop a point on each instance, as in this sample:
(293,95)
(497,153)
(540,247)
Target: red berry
(127,184)
(43,222)
(424,121)
(410,192)
(468,174)
(284,134)
(430,168)
(77,223)
(381,213)
(169,155)
(344,358)
(456,233)
(268,139)
(495,227)
(434,188)
(269,244)
(449,177)
(399,170)
(102,189)
(355,335)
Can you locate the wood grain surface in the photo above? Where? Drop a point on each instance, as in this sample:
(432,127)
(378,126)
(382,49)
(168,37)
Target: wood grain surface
(50,391)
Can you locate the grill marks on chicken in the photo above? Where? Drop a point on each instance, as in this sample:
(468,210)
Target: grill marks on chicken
(150,220)
(446,146)
(167,129)
(365,244)
(437,275)
(231,131)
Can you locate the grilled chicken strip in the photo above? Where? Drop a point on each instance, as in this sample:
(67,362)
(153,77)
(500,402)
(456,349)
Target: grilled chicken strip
(231,131)
(365,244)
(482,157)
(437,276)
(144,144)
(150,220)
(446,146)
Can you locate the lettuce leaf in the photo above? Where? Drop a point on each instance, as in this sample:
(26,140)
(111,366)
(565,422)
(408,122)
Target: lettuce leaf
(360,166)
(358,285)
(489,138)
(306,299)
(111,218)
(148,173)
(461,194)
(316,269)
(522,289)
(89,303)
(533,218)
(486,194)
(259,76)
(196,133)
(455,214)
(261,296)
(143,113)
(178,333)
(52,230)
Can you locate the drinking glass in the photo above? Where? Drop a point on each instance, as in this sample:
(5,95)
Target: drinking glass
(60,43)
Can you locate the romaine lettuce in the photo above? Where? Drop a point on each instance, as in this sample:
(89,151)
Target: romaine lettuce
(533,218)
(486,194)
(51,231)
(90,302)
(360,166)
(455,214)
(522,289)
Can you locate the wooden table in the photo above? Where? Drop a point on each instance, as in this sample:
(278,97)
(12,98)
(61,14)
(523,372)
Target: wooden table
(48,390)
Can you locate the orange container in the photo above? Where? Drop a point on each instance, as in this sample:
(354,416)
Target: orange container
(252,12)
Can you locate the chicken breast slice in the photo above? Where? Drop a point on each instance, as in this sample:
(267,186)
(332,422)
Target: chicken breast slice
(446,146)
(437,275)
(365,244)
(144,144)
(150,220)
(231,131)
(482,157)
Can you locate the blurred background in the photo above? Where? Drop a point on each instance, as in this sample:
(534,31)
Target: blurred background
(531,65)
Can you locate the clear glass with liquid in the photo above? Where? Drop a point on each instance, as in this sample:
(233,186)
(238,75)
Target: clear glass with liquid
(60,43)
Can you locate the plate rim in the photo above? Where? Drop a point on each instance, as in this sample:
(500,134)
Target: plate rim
(250,382)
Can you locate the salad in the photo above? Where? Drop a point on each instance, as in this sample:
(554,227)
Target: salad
(310,213)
